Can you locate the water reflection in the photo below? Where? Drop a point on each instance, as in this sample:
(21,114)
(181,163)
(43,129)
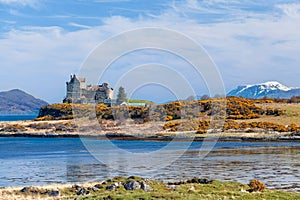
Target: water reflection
(43,161)
(277,167)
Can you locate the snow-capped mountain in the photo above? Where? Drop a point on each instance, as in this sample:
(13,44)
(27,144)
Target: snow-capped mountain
(271,89)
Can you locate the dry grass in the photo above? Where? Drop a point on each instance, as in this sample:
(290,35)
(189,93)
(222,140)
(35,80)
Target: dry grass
(291,115)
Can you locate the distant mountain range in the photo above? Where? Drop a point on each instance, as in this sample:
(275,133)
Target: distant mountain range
(19,102)
(271,89)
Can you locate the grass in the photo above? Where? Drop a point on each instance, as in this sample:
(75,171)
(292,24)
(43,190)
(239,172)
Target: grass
(215,190)
(291,115)
(139,101)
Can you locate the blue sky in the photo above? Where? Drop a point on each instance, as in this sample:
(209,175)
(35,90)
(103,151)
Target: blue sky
(43,41)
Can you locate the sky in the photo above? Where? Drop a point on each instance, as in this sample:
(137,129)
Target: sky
(42,42)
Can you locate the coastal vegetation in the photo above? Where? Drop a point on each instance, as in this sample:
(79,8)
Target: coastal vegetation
(142,188)
(233,116)
(235,108)
(233,113)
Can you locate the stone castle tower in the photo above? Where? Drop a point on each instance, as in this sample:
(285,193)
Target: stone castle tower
(79,92)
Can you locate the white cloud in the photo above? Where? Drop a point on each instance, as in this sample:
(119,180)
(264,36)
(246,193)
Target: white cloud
(249,50)
(39,59)
(246,51)
(291,10)
(31,3)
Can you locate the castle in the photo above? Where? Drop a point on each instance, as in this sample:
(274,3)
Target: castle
(79,92)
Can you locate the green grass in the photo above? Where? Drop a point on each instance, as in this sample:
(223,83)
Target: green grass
(215,190)
(139,101)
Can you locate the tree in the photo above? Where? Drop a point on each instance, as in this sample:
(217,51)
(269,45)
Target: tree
(121,97)
(205,97)
(191,98)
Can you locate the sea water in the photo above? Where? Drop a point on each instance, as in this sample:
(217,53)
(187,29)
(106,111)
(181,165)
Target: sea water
(17,117)
(40,161)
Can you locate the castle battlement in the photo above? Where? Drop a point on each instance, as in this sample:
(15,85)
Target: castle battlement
(79,92)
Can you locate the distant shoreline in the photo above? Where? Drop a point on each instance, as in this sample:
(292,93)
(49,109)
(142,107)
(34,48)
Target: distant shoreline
(65,129)
(154,137)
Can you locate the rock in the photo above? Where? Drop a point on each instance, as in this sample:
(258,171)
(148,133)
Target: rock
(76,187)
(108,198)
(173,187)
(146,187)
(116,184)
(99,186)
(204,181)
(82,191)
(53,193)
(147,180)
(111,187)
(94,189)
(132,185)
(177,183)
(32,190)
(192,189)
(194,180)
(25,190)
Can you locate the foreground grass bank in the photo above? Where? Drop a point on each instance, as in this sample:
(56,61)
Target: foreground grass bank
(139,188)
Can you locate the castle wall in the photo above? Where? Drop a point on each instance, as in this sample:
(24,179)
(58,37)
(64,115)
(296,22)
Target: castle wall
(79,92)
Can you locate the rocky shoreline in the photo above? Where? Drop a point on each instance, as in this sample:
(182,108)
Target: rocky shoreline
(156,138)
(67,129)
(144,188)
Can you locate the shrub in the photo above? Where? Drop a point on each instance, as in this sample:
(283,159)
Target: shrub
(274,111)
(44,118)
(256,186)
(173,126)
(293,127)
(14,128)
(240,108)
(169,118)
(201,131)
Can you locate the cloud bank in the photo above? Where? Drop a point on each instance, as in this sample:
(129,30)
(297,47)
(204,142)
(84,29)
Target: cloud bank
(250,42)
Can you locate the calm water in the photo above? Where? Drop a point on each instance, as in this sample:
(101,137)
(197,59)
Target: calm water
(17,117)
(39,161)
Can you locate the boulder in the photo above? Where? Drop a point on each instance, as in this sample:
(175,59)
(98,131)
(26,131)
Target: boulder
(204,181)
(25,190)
(76,187)
(111,187)
(172,187)
(82,191)
(99,186)
(146,187)
(94,189)
(53,193)
(132,185)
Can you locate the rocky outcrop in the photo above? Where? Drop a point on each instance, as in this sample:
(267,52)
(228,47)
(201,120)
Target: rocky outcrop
(38,191)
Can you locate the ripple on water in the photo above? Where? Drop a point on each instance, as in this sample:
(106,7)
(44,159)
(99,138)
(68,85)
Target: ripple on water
(34,163)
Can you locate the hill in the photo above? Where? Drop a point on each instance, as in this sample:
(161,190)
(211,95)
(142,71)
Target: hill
(19,102)
(271,89)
